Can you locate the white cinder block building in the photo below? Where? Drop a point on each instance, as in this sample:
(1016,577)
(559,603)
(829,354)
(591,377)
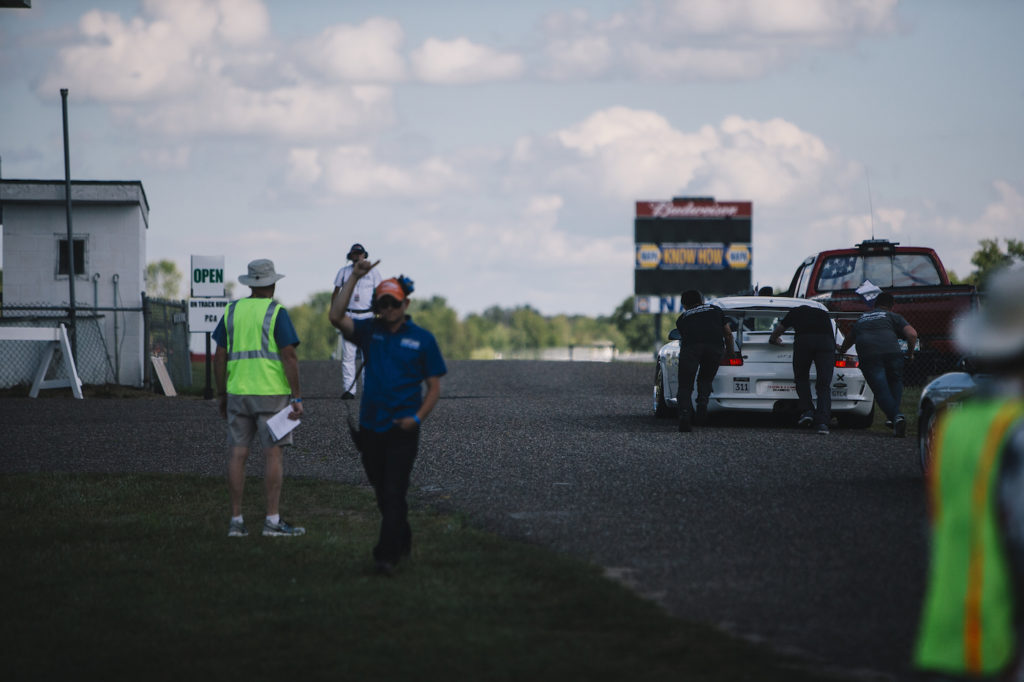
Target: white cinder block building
(109,221)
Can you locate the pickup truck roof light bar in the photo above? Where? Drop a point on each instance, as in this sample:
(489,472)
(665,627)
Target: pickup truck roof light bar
(877,246)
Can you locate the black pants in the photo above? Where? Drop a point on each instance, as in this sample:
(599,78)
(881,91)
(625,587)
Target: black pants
(387,459)
(819,349)
(697,361)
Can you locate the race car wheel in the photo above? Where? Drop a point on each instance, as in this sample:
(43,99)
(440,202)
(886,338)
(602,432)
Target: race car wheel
(925,433)
(662,410)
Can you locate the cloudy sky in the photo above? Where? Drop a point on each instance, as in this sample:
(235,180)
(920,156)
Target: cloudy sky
(494,151)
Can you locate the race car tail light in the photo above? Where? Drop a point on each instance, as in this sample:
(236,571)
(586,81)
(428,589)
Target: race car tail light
(731,361)
(847,361)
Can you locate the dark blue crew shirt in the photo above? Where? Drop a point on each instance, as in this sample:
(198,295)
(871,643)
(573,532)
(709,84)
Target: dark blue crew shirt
(396,366)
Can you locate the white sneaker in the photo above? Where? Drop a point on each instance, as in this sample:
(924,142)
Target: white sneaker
(281,529)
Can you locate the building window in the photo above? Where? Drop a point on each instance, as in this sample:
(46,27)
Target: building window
(62,257)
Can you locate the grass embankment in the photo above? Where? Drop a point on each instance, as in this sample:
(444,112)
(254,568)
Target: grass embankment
(116,577)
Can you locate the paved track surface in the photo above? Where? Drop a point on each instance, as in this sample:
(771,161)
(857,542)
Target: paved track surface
(814,544)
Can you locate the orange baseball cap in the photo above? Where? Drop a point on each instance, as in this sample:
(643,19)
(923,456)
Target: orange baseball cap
(390,287)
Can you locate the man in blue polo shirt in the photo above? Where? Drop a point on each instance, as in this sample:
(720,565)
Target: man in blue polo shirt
(400,358)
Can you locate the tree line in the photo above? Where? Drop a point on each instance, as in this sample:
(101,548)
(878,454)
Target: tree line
(522,328)
(484,335)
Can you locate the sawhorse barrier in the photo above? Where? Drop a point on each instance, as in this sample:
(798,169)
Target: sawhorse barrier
(56,338)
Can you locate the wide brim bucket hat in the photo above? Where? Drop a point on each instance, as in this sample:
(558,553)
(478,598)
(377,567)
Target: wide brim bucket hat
(261,274)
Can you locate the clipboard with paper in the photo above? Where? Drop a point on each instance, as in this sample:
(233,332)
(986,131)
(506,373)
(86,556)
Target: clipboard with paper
(280,425)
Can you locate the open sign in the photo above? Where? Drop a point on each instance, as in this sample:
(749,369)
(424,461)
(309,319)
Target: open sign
(207,276)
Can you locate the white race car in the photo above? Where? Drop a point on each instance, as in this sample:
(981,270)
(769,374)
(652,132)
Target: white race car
(761,378)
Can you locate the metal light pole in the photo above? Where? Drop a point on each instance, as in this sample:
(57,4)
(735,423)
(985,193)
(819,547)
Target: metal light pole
(72,311)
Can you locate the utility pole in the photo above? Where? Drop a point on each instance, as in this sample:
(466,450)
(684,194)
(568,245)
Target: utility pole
(72,310)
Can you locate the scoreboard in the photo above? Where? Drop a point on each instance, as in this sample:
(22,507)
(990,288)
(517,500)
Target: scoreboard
(692,243)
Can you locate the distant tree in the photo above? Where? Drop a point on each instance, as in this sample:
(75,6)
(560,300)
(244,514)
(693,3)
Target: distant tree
(636,330)
(990,258)
(434,315)
(559,330)
(497,315)
(529,329)
(317,338)
(163,280)
(588,330)
(485,335)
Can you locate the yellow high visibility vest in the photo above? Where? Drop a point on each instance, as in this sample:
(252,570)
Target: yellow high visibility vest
(254,363)
(967,623)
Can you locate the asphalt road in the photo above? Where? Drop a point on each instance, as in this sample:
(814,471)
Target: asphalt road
(813,544)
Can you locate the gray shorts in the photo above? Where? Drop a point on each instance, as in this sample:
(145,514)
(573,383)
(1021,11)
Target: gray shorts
(247,417)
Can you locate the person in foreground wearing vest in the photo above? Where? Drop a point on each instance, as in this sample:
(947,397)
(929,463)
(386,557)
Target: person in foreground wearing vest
(257,376)
(400,358)
(971,622)
(359,309)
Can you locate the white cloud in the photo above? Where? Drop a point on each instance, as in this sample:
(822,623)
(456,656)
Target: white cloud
(175,158)
(298,112)
(1001,219)
(159,57)
(634,154)
(699,63)
(584,56)
(124,62)
(955,238)
(199,67)
(461,61)
(243,22)
(370,52)
(706,39)
(531,239)
(813,19)
(304,167)
(769,161)
(1005,216)
(355,171)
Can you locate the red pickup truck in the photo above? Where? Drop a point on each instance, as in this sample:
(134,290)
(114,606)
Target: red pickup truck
(915,277)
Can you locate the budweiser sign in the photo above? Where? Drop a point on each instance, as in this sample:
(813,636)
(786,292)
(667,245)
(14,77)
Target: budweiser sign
(692,209)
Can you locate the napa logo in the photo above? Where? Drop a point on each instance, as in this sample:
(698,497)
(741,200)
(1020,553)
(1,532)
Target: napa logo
(738,256)
(648,256)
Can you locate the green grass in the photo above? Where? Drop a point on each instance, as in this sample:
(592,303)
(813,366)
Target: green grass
(132,577)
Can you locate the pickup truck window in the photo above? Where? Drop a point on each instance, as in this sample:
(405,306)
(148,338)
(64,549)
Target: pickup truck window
(902,270)
(805,276)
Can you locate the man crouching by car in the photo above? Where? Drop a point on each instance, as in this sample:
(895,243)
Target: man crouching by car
(704,337)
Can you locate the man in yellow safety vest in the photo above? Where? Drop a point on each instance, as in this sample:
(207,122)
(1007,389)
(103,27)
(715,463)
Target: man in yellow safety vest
(971,621)
(257,377)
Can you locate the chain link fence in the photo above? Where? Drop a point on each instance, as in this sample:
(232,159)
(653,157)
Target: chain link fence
(932,315)
(22,358)
(99,345)
(165,328)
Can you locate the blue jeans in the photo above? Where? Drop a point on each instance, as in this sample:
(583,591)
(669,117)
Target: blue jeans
(884,374)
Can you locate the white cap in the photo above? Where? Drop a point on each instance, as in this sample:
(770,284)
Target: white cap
(996,330)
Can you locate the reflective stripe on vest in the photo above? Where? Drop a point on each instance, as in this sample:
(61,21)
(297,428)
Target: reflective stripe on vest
(967,623)
(254,363)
